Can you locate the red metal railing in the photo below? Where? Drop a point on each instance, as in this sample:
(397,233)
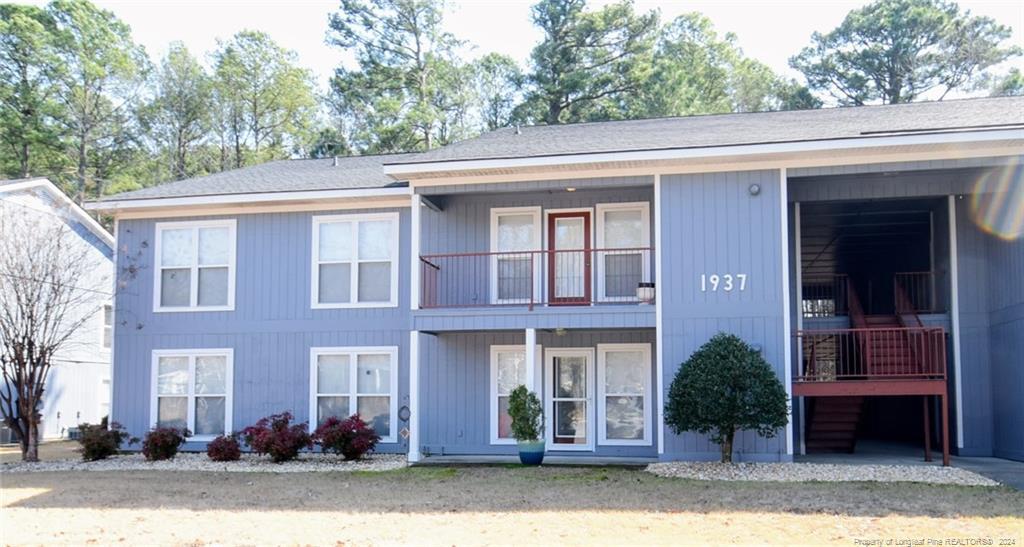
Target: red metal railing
(532,278)
(872,354)
(824,296)
(919,288)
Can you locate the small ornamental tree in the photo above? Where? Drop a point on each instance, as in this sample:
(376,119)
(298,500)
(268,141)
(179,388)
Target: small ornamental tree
(351,437)
(162,443)
(526,412)
(726,386)
(279,438)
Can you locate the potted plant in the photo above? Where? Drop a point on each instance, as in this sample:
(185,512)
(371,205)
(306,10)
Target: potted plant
(526,412)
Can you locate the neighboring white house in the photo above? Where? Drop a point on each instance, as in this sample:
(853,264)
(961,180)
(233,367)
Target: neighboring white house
(78,387)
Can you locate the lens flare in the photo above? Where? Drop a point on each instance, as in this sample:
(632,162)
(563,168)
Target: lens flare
(997,202)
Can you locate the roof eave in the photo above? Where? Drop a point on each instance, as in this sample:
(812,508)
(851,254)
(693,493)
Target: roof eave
(115,205)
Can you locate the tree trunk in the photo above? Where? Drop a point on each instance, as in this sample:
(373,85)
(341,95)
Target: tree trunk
(30,443)
(727,447)
(82,150)
(24,157)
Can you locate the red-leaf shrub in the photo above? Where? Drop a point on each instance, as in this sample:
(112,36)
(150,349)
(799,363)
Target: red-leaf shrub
(99,441)
(162,443)
(276,436)
(351,437)
(224,449)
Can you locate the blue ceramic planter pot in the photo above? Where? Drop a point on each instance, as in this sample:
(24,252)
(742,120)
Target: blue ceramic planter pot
(531,453)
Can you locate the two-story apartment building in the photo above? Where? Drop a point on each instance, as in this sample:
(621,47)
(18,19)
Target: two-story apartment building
(873,255)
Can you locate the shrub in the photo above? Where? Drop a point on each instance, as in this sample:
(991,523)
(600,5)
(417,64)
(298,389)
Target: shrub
(100,441)
(526,412)
(162,443)
(277,437)
(351,437)
(726,386)
(224,449)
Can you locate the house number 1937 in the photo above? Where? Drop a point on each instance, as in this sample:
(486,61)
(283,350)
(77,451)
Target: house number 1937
(724,282)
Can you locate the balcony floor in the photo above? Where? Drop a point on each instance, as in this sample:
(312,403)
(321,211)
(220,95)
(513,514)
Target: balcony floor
(844,388)
(604,316)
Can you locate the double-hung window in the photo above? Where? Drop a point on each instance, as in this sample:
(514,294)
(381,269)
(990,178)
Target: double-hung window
(107,336)
(355,261)
(195,266)
(624,234)
(515,262)
(192,389)
(347,381)
(624,394)
(508,371)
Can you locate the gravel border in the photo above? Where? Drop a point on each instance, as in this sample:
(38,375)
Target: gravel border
(818,472)
(193,461)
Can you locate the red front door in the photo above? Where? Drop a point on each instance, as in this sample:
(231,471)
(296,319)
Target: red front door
(569,259)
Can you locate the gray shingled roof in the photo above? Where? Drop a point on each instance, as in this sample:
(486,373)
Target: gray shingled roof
(729,130)
(352,172)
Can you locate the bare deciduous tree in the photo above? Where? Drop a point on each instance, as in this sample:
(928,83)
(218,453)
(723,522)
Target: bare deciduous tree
(51,284)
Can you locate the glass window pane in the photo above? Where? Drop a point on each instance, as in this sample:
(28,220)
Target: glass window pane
(622,274)
(373,373)
(375,282)
(175,287)
(214,246)
(335,283)
(172,376)
(210,415)
(213,286)
(570,422)
(176,247)
(625,372)
(335,241)
(570,377)
(172,412)
(623,229)
(331,406)
(504,420)
(332,373)
(375,239)
(514,277)
(108,315)
(511,371)
(516,233)
(624,417)
(211,375)
(376,412)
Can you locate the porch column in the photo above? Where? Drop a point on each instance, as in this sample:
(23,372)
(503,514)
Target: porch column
(416,207)
(531,360)
(414,396)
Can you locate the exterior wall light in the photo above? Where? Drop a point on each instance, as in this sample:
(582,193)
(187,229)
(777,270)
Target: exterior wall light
(754,189)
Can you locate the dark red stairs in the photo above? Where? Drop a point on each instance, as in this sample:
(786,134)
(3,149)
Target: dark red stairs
(889,352)
(832,424)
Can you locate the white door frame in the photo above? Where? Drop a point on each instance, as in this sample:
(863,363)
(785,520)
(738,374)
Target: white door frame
(549,388)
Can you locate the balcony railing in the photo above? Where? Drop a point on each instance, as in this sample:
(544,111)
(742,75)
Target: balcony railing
(919,288)
(825,296)
(872,354)
(537,278)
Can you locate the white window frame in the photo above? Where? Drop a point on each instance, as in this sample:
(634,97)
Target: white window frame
(195,225)
(549,399)
(190,395)
(104,328)
(602,425)
(315,262)
(353,396)
(493,392)
(645,216)
(538,245)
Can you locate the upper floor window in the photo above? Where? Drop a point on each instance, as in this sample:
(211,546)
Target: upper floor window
(355,261)
(195,266)
(515,264)
(624,232)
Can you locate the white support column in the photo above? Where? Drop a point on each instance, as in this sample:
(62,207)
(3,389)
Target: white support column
(531,360)
(414,396)
(416,209)
(954,316)
(787,347)
(797,249)
(659,367)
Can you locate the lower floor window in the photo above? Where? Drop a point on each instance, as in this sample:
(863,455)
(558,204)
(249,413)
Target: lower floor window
(364,381)
(192,390)
(624,386)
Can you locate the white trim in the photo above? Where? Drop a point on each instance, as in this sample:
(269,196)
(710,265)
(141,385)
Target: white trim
(538,244)
(798,251)
(954,317)
(645,219)
(549,429)
(252,209)
(415,214)
(190,396)
(414,396)
(824,145)
(113,330)
(533,360)
(195,226)
(602,417)
(659,367)
(77,210)
(492,393)
(257,197)
(354,260)
(353,395)
(787,344)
